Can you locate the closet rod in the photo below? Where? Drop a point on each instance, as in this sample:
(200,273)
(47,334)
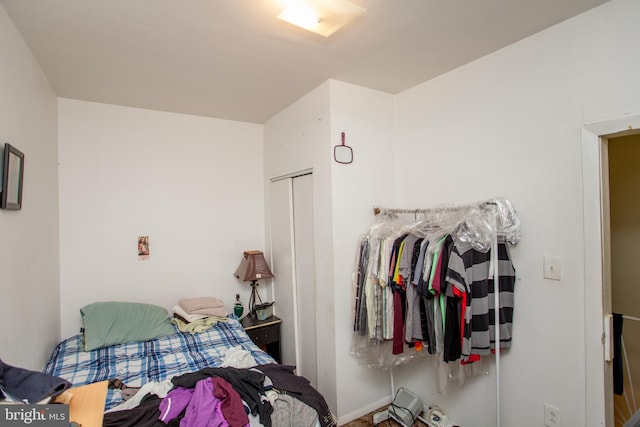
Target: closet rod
(378,210)
(637,319)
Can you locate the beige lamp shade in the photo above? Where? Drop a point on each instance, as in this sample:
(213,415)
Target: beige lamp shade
(252,267)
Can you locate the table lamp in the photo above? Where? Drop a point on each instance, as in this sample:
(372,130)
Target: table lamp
(252,268)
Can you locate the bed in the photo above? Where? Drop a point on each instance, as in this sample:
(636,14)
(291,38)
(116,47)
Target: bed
(176,355)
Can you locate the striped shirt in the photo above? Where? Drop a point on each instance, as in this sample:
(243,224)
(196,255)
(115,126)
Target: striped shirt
(469,272)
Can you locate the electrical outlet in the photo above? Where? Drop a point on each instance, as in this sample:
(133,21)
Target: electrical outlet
(551,416)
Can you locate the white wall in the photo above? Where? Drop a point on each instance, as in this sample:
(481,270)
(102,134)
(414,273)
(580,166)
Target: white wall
(300,137)
(366,117)
(509,125)
(29,237)
(296,139)
(192,184)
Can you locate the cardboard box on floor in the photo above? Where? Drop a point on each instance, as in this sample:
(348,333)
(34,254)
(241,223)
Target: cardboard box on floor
(86,403)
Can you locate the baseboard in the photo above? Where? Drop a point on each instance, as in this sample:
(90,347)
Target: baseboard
(346,418)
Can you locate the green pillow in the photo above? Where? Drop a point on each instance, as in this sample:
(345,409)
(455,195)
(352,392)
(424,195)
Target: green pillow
(110,323)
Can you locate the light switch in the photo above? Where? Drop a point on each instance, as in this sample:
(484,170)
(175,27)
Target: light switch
(552,267)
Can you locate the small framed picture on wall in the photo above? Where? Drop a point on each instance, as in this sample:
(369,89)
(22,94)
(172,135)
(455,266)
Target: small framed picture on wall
(143,248)
(12,176)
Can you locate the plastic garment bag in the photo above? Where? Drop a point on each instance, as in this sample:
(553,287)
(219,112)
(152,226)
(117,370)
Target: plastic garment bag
(375,309)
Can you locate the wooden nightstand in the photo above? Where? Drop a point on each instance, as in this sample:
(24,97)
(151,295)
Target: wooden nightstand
(265,333)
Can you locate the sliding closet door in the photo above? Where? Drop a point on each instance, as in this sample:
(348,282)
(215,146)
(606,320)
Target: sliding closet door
(281,213)
(305,276)
(292,247)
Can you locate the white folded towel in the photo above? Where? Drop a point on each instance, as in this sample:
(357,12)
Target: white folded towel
(186,316)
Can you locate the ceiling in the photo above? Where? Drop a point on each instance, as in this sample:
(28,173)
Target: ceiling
(232,59)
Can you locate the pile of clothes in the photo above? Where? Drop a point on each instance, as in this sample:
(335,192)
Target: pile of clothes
(198,314)
(267,395)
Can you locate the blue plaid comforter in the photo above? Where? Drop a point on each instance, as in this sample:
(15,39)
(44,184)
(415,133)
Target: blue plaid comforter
(162,358)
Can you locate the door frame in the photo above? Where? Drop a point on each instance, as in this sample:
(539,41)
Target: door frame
(597,274)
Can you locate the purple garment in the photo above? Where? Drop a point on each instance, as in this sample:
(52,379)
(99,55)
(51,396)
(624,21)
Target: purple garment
(201,408)
(174,403)
(204,409)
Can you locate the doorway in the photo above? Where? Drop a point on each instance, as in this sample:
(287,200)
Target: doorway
(624,232)
(599,408)
(292,246)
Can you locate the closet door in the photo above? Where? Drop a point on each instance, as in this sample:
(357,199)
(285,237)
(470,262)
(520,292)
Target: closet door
(292,248)
(305,276)
(281,214)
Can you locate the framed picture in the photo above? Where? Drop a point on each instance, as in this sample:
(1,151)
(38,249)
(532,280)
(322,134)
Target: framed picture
(143,248)
(12,173)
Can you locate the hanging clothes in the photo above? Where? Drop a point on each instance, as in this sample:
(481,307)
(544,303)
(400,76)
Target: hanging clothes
(469,271)
(428,282)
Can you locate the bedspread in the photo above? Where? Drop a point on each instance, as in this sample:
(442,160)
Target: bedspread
(162,358)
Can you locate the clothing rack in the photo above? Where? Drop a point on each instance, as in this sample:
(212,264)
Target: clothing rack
(495,204)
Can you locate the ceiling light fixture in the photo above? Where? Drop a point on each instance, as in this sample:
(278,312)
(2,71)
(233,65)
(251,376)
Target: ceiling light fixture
(323,17)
